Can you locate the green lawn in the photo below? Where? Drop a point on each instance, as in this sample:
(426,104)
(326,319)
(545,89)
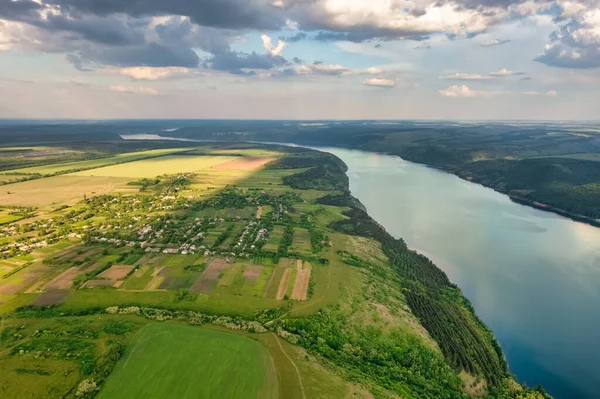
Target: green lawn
(173,361)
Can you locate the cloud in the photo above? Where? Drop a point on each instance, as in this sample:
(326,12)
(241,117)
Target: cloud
(227,14)
(576,43)
(466,76)
(150,73)
(270,49)
(148,55)
(549,93)
(294,38)
(457,91)
(506,72)
(240,63)
(134,90)
(492,75)
(494,42)
(379,82)
(321,69)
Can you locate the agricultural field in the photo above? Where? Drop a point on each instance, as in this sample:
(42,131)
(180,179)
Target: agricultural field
(170,164)
(166,360)
(219,273)
(92,163)
(58,190)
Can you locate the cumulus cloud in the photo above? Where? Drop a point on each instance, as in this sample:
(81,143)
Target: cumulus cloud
(379,82)
(134,90)
(466,76)
(149,73)
(457,91)
(273,50)
(576,43)
(493,42)
(506,72)
(321,69)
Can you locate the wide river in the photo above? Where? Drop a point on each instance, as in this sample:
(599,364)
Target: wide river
(533,276)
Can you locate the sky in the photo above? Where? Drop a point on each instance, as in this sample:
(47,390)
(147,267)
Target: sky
(300,59)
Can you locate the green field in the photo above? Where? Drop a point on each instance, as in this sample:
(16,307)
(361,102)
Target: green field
(158,166)
(173,361)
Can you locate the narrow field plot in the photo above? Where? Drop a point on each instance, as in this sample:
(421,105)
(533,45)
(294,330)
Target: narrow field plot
(173,361)
(273,284)
(169,164)
(283,284)
(211,275)
(99,283)
(50,298)
(301,241)
(231,274)
(116,272)
(252,273)
(300,289)
(245,163)
(58,190)
(63,281)
(274,239)
(139,279)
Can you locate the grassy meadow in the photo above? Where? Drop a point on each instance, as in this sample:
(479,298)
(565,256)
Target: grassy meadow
(167,360)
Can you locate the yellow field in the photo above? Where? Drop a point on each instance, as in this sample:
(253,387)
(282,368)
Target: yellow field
(158,166)
(94,163)
(57,190)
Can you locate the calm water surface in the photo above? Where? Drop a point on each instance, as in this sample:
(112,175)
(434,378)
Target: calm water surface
(533,277)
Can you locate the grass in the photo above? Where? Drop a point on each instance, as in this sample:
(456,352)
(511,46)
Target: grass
(232,305)
(301,241)
(274,283)
(274,239)
(140,279)
(168,360)
(170,164)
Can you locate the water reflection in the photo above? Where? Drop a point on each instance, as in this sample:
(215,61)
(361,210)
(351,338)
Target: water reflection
(533,277)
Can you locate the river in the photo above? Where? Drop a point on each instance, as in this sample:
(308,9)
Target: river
(533,276)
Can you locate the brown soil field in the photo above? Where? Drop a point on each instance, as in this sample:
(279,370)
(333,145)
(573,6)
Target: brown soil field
(283,284)
(252,273)
(244,163)
(116,272)
(63,281)
(259,212)
(50,298)
(209,278)
(300,290)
